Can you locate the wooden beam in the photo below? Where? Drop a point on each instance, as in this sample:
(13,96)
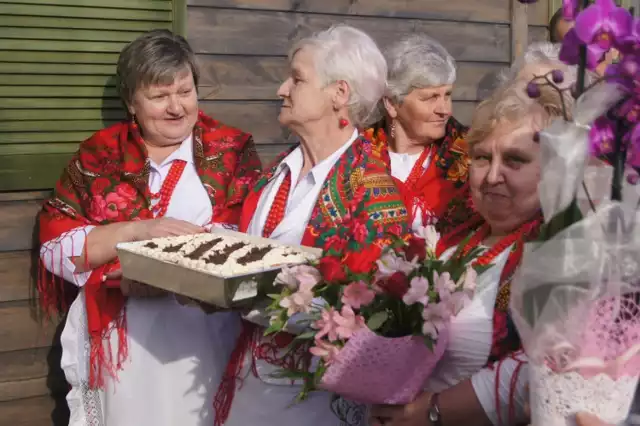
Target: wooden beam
(519,29)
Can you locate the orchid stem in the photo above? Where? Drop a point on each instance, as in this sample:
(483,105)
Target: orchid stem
(582,64)
(586,191)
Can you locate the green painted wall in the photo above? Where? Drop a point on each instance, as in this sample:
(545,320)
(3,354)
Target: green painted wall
(57,65)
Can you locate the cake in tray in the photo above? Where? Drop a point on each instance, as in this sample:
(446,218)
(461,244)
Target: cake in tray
(221,255)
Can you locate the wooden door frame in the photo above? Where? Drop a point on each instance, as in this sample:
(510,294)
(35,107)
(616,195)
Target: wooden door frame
(179,17)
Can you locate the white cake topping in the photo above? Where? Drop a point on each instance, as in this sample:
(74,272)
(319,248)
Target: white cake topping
(219,248)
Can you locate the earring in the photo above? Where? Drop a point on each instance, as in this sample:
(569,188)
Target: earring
(343,122)
(392,130)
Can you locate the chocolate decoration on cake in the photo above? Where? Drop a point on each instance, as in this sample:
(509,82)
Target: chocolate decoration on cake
(255,254)
(217,258)
(173,249)
(203,248)
(233,247)
(151,245)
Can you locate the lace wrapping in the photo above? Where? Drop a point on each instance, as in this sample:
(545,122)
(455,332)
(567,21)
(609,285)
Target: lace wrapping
(380,370)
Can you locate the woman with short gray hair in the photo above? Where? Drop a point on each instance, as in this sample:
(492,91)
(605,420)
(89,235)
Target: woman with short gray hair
(134,355)
(426,144)
(336,80)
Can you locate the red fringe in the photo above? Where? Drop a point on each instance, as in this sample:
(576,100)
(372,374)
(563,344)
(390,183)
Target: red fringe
(512,387)
(232,376)
(297,359)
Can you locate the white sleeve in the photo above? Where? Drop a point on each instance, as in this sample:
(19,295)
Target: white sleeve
(510,377)
(56,255)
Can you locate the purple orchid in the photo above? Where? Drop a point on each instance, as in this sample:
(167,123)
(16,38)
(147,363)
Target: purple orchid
(633,147)
(626,74)
(603,24)
(601,137)
(527,1)
(570,51)
(569,10)
(631,43)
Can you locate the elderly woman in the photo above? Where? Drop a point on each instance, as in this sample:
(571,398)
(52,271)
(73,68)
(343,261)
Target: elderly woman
(428,154)
(481,379)
(337,78)
(132,356)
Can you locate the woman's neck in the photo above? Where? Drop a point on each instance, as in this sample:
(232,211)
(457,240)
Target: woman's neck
(319,145)
(158,154)
(401,143)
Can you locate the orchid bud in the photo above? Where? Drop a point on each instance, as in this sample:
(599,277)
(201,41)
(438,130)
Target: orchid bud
(557,76)
(633,179)
(533,90)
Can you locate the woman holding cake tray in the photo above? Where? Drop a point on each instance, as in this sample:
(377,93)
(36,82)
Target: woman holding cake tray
(336,79)
(134,356)
(482,378)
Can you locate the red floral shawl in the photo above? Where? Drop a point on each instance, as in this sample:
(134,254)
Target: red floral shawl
(107,182)
(443,189)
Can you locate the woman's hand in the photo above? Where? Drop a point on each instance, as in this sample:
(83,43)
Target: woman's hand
(415,413)
(163,227)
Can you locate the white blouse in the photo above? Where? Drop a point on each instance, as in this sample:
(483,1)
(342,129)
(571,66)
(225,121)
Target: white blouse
(470,339)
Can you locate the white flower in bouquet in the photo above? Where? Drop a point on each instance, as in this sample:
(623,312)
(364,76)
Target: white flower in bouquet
(436,317)
(430,235)
(301,280)
(325,350)
(417,293)
(296,276)
(390,263)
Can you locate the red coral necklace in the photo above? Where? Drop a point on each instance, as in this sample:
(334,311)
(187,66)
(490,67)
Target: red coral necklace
(168,186)
(485,230)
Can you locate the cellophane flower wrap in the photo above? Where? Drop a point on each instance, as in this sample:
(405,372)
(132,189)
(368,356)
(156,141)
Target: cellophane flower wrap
(575,302)
(376,320)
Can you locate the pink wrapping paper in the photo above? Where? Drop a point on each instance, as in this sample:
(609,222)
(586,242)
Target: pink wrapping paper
(372,369)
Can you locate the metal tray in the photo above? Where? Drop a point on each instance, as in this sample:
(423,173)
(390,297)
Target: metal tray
(204,286)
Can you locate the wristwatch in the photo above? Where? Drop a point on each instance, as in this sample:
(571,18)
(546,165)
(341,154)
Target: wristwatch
(434,412)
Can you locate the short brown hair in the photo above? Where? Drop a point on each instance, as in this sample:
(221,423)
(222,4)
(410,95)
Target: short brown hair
(153,58)
(511,104)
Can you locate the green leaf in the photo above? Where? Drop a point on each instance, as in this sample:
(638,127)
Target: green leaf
(309,335)
(429,342)
(377,320)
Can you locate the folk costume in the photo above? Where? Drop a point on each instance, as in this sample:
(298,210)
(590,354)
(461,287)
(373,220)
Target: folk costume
(433,182)
(303,213)
(483,342)
(141,361)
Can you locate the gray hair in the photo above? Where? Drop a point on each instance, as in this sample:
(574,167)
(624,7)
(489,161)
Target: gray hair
(543,54)
(156,57)
(416,62)
(346,53)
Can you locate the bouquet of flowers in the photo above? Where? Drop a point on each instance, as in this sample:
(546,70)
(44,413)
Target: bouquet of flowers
(575,301)
(377,319)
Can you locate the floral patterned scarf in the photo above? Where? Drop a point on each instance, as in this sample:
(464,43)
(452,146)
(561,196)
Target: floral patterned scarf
(442,190)
(107,182)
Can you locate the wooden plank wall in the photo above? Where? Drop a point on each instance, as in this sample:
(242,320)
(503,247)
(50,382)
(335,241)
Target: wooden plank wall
(242,46)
